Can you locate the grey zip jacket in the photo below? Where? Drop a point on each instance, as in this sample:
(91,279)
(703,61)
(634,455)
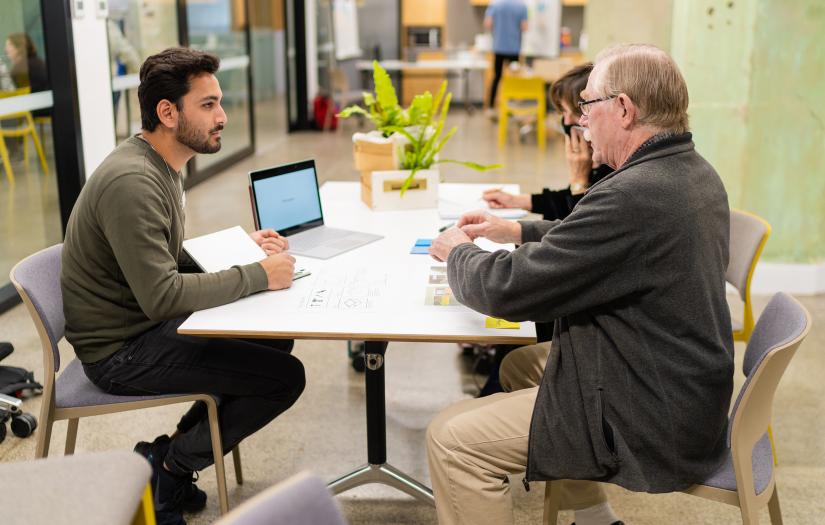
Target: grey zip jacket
(638,382)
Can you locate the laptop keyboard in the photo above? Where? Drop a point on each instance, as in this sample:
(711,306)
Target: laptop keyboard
(316,236)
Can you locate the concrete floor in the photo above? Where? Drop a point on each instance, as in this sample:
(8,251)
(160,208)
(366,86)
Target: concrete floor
(325,433)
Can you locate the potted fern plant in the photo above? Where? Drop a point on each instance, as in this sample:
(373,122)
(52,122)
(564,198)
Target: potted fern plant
(415,136)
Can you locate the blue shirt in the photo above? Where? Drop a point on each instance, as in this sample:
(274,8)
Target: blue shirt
(507,17)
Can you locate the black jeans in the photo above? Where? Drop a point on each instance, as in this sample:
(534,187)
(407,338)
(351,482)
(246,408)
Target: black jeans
(254,380)
(499,65)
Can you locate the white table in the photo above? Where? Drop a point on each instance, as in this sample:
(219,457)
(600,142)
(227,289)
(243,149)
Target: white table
(462,66)
(375,293)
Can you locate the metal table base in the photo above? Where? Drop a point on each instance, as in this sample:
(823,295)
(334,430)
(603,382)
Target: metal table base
(377,470)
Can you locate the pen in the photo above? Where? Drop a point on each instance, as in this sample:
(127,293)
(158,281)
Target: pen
(446,226)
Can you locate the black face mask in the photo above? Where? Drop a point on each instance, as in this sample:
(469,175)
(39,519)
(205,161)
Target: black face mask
(566,127)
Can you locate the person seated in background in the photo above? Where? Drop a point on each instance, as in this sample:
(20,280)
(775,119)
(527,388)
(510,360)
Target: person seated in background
(125,290)
(638,382)
(27,68)
(584,171)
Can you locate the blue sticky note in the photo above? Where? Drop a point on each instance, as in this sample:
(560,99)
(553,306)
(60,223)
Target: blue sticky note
(423,242)
(421,250)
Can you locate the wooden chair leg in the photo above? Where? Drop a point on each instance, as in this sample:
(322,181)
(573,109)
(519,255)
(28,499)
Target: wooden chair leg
(44,435)
(217,452)
(552,500)
(71,436)
(236,458)
(773,508)
(4,153)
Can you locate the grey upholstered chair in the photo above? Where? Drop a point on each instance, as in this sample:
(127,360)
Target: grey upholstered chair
(748,235)
(746,478)
(71,395)
(101,488)
(302,499)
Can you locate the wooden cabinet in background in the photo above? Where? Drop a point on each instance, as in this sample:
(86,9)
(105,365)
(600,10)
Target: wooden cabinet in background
(426,13)
(417,82)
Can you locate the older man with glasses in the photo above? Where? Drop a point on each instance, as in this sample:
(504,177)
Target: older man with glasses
(631,289)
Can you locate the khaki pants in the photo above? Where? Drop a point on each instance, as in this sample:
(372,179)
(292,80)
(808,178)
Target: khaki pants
(475,444)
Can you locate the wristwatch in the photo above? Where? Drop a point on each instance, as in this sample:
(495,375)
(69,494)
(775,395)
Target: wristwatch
(578,188)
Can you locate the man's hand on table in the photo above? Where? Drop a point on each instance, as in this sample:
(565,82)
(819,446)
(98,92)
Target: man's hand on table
(444,243)
(482,224)
(270,240)
(279,268)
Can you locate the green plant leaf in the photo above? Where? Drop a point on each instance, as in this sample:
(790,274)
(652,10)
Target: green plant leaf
(473,165)
(384,90)
(408,181)
(439,97)
(352,110)
(420,111)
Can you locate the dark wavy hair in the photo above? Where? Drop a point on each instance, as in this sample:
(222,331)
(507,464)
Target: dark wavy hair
(167,76)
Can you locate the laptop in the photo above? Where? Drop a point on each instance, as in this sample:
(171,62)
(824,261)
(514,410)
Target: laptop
(286,199)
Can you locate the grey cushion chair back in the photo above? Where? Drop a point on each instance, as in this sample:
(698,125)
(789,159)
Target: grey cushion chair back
(748,235)
(300,500)
(71,395)
(39,277)
(746,478)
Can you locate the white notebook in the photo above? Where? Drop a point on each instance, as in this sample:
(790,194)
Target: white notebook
(223,249)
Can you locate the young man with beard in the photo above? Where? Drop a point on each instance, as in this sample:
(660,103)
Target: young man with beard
(126,290)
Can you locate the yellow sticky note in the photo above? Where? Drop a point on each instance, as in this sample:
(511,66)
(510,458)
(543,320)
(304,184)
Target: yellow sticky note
(492,322)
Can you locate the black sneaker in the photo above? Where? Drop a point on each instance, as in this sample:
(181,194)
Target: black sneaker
(194,499)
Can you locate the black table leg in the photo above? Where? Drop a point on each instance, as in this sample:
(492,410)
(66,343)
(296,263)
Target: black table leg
(377,470)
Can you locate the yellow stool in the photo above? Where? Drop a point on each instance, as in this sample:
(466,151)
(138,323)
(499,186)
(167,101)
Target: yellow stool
(145,514)
(24,129)
(521,89)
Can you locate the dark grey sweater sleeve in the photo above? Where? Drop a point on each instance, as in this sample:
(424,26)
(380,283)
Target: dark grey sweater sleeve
(578,263)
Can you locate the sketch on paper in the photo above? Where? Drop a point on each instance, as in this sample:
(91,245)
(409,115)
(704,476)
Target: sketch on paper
(352,289)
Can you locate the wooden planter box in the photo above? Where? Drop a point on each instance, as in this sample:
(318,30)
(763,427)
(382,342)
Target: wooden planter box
(381,190)
(370,156)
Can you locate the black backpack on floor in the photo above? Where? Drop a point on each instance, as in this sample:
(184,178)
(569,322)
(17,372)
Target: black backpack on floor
(15,381)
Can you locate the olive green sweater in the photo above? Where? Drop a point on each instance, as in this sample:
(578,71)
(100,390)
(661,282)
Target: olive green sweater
(122,252)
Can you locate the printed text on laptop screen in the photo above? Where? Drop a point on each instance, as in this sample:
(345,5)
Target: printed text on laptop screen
(287,200)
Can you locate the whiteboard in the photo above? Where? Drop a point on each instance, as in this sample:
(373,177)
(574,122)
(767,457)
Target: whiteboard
(345,24)
(543,29)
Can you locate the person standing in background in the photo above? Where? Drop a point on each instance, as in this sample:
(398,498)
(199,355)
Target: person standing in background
(507,19)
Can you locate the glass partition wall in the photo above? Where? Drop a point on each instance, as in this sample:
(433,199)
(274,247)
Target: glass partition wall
(220,27)
(30,215)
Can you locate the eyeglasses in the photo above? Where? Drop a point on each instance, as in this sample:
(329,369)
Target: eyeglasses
(584,105)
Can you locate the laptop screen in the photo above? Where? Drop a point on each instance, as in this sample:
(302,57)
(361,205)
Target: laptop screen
(286,198)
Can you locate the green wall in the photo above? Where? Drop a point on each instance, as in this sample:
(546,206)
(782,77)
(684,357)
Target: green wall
(617,21)
(785,151)
(755,71)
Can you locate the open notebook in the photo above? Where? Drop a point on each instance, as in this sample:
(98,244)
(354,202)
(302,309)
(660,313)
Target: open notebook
(224,249)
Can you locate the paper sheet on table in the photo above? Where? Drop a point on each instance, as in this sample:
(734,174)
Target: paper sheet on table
(455,201)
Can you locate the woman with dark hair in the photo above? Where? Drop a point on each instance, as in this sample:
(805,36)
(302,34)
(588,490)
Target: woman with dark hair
(27,69)
(584,172)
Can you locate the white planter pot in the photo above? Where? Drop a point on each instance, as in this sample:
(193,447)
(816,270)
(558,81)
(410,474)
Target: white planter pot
(382,190)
